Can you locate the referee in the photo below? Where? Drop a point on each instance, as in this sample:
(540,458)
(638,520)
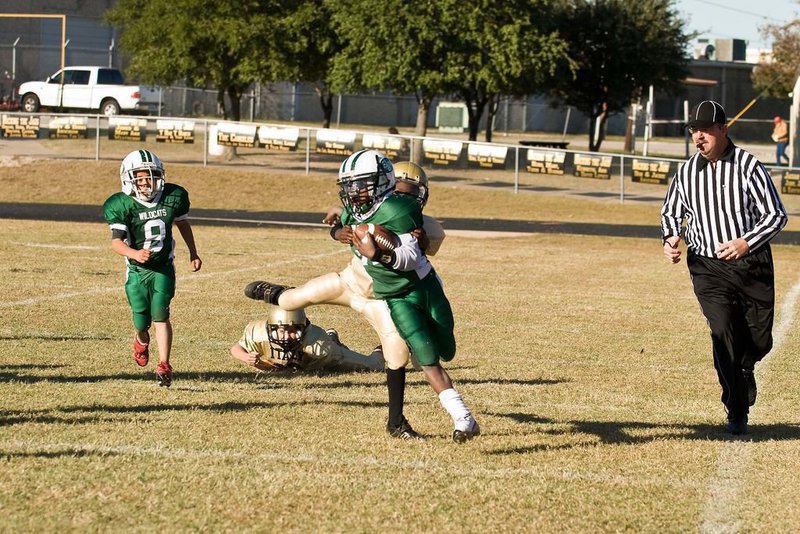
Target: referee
(732,211)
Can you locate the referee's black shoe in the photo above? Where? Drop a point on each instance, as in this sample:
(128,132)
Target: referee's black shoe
(737,424)
(752,388)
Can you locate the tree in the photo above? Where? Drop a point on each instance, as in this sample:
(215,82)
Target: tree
(392,44)
(620,48)
(499,48)
(217,43)
(306,47)
(776,77)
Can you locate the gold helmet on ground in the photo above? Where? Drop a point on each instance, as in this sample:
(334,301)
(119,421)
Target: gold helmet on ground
(285,331)
(411,180)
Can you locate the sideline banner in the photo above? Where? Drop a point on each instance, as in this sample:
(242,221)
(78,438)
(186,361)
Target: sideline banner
(790,182)
(651,171)
(274,138)
(20,127)
(175,131)
(387,145)
(592,166)
(127,129)
(336,142)
(487,156)
(441,152)
(235,134)
(545,161)
(68,128)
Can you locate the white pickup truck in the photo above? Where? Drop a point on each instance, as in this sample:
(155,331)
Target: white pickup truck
(95,88)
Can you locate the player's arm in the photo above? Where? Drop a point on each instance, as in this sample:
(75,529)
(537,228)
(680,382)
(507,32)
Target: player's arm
(188,237)
(252,359)
(119,246)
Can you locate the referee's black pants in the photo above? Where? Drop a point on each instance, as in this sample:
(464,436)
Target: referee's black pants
(737,299)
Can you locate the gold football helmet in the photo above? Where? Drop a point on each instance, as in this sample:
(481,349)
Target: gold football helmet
(285,331)
(411,180)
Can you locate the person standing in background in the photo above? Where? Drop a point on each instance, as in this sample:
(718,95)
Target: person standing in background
(780,134)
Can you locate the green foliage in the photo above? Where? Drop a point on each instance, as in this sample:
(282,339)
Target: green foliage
(500,48)
(620,48)
(392,45)
(221,43)
(777,77)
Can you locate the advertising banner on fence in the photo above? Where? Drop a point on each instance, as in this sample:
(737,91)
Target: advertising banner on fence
(790,182)
(487,156)
(127,129)
(69,128)
(275,138)
(545,161)
(235,134)
(338,142)
(651,171)
(175,131)
(441,152)
(19,127)
(592,166)
(390,146)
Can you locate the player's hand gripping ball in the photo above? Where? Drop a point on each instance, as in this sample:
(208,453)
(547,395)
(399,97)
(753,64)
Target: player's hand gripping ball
(372,238)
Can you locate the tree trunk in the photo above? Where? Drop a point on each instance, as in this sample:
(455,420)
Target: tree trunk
(597,126)
(221,103)
(326,103)
(491,112)
(236,103)
(475,107)
(421,129)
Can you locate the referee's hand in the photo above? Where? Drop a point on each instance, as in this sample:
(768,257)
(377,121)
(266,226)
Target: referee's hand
(671,249)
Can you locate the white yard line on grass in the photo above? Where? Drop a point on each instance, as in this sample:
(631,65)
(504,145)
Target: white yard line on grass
(30,446)
(182,278)
(721,511)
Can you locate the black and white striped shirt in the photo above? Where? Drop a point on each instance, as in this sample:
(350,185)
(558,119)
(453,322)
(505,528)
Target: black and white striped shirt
(722,201)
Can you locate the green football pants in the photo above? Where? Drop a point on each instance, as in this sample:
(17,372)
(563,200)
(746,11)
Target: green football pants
(149,294)
(424,319)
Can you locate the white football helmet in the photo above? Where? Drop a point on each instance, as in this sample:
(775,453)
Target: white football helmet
(285,330)
(365,178)
(142,161)
(414,180)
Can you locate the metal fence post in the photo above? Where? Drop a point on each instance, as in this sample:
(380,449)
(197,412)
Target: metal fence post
(622,179)
(308,151)
(97,139)
(516,169)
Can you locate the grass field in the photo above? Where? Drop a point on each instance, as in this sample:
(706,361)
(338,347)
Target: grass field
(585,359)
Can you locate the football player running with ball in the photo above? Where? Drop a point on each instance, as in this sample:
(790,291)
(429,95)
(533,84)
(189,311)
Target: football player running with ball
(141,219)
(287,340)
(404,279)
(352,286)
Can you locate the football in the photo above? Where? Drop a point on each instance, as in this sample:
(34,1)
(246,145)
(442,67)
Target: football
(385,239)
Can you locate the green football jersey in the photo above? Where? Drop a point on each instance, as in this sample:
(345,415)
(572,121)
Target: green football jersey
(148,225)
(401,214)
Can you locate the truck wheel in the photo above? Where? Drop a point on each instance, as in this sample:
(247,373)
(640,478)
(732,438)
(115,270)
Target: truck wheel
(109,107)
(30,103)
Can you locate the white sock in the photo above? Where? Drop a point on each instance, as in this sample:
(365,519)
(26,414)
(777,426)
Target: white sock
(452,402)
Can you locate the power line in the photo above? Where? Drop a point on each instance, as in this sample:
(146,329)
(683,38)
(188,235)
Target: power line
(744,12)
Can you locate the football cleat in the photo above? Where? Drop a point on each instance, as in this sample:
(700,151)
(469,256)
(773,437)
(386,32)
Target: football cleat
(164,374)
(260,290)
(141,352)
(404,431)
(466,429)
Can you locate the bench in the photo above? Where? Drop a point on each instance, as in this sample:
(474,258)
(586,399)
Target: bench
(546,144)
